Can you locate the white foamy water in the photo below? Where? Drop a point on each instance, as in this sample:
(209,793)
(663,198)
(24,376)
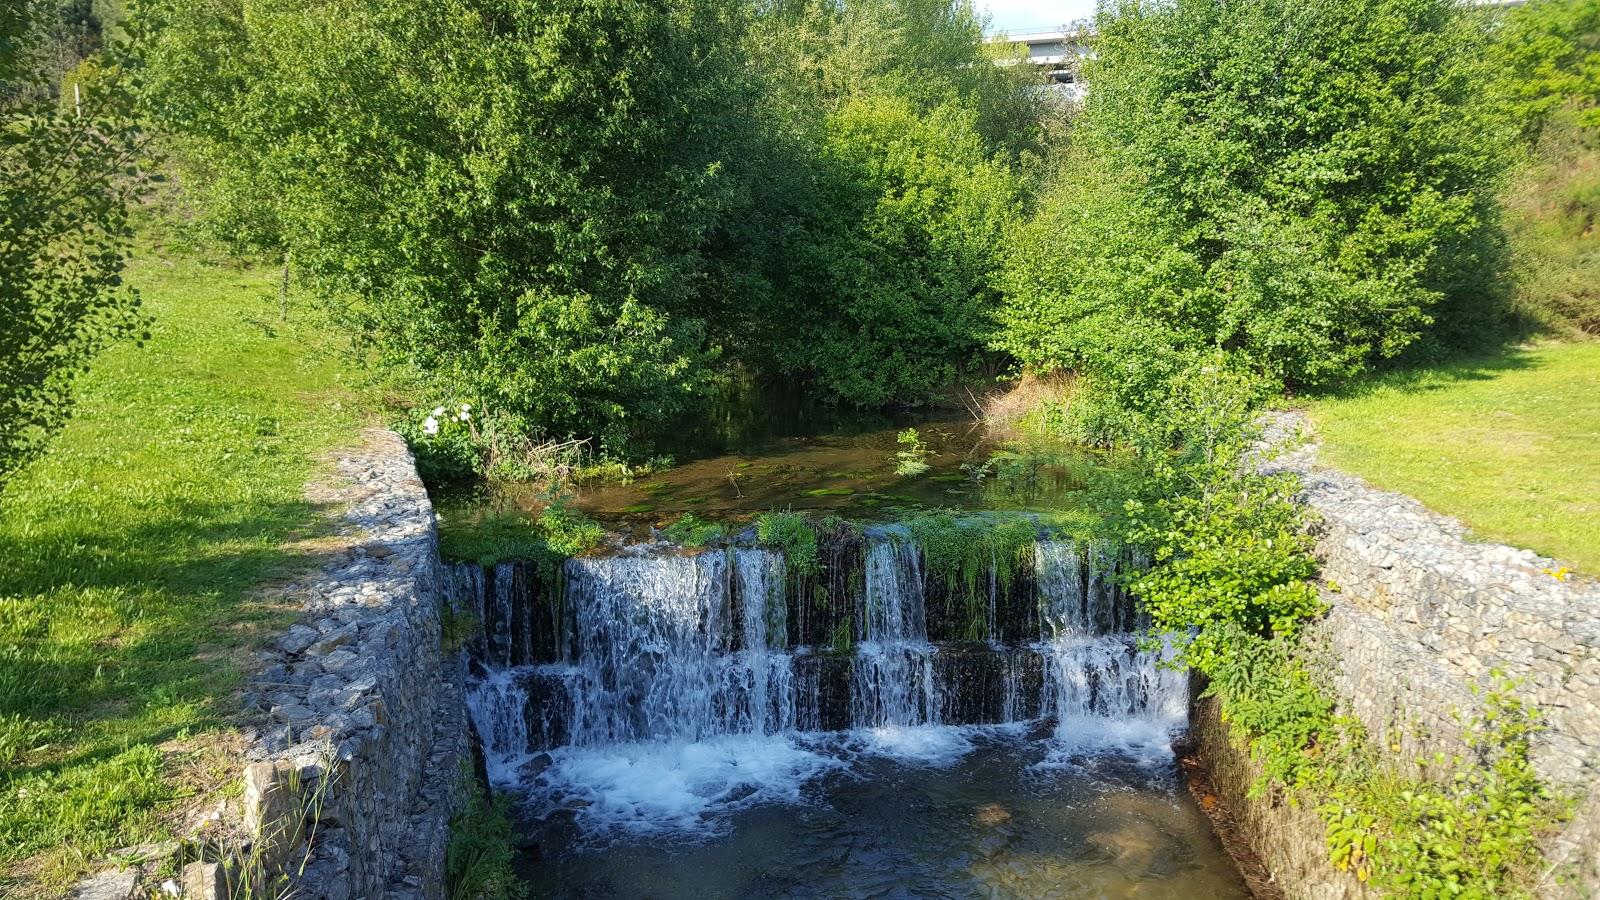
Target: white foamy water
(683,787)
(676,700)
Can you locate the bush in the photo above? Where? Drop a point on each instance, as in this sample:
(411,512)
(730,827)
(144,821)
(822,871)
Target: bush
(1307,186)
(445,443)
(1548,55)
(1552,209)
(1231,582)
(1548,52)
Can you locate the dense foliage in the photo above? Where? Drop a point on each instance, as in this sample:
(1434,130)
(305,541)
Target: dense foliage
(1231,579)
(527,202)
(1549,52)
(1308,186)
(66,175)
(578,216)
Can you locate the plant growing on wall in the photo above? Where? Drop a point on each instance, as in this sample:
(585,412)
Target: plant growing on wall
(1232,579)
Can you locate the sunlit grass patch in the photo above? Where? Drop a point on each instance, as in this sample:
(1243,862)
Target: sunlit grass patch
(139,554)
(1509,444)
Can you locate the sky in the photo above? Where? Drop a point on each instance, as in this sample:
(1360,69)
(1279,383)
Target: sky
(1021,15)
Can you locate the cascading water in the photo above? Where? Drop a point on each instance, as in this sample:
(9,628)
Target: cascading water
(893,683)
(857,728)
(1095,668)
(657,688)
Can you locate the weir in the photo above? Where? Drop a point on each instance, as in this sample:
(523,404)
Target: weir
(660,645)
(876,719)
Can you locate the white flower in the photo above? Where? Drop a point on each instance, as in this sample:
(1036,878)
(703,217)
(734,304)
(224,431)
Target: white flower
(464,416)
(466,407)
(438,411)
(430,425)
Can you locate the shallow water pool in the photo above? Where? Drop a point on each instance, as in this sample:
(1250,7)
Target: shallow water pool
(935,812)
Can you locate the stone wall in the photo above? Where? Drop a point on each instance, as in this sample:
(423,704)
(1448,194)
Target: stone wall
(354,763)
(1420,621)
(1289,840)
(363,701)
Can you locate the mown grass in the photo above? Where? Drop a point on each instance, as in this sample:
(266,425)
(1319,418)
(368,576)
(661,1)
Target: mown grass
(1510,444)
(137,559)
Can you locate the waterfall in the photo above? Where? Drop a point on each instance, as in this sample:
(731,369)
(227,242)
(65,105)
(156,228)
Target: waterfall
(766,672)
(658,647)
(1094,666)
(894,683)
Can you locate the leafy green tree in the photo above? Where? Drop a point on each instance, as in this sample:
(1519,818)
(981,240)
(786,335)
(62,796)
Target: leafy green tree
(897,268)
(523,201)
(1308,186)
(66,175)
(1548,55)
(905,146)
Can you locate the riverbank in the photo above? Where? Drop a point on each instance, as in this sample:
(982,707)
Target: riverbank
(1509,444)
(142,556)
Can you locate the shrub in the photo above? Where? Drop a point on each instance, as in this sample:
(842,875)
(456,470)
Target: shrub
(445,443)
(898,252)
(1308,186)
(1230,580)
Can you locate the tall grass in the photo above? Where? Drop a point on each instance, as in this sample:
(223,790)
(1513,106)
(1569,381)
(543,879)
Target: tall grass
(1553,223)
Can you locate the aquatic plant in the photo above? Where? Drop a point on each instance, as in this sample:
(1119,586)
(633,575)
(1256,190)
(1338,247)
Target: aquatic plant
(911,459)
(692,531)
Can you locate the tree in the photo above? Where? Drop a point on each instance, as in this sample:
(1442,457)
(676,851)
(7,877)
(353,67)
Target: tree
(1548,57)
(1313,183)
(896,267)
(66,175)
(905,150)
(524,202)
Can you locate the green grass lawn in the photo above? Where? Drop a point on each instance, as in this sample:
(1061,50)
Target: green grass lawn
(1509,444)
(137,556)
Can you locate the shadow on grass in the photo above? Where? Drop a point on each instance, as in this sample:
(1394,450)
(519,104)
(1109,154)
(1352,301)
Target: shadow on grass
(133,636)
(1427,377)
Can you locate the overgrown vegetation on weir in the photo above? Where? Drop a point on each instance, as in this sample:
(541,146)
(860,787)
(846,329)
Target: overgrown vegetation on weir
(964,553)
(1231,579)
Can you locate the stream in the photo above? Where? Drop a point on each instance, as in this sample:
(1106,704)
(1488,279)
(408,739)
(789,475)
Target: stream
(709,725)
